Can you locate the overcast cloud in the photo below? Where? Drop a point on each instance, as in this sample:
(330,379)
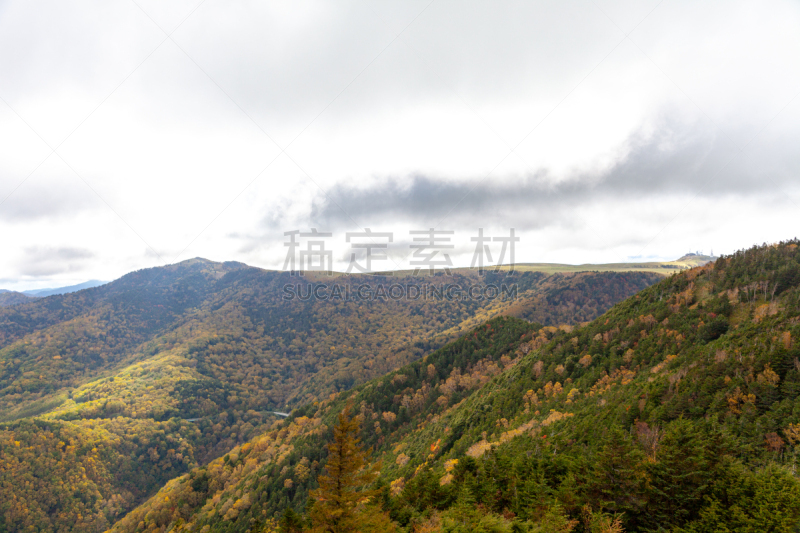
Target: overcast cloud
(666,164)
(209,128)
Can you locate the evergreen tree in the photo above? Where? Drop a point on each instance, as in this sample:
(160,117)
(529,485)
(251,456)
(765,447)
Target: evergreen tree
(291,522)
(618,478)
(342,504)
(685,470)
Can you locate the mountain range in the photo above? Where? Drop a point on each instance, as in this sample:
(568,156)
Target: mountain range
(42,293)
(591,401)
(109,393)
(9,298)
(678,409)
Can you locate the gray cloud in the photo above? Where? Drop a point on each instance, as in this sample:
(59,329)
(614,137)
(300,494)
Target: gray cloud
(671,162)
(40,198)
(47,261)
(413,110)
(283,75)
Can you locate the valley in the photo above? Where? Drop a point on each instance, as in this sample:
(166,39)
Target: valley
(128,385)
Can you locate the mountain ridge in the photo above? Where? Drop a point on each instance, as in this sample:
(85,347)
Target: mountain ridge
(43,293)
(9,298)
(662,267)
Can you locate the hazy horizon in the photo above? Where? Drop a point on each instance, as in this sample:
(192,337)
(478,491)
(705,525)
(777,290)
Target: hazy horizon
(39,285)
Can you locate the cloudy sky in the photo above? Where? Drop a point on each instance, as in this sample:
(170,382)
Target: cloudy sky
(137,133)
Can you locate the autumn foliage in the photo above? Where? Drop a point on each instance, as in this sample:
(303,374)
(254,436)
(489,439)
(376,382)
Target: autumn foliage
(342,503)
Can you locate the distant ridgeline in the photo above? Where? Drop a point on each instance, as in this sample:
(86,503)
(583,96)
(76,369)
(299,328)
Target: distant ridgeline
(9,298)
(107,394)
(676,410)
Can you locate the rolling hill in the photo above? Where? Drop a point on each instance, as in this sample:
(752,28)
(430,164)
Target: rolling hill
(9,298)
(666,268)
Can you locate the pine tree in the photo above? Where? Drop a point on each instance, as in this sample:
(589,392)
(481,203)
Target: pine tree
(290,522)
(341,503)
(617,478)
(686,467)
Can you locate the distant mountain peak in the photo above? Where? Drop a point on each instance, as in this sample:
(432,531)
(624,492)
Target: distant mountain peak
(41,293)
(697,257)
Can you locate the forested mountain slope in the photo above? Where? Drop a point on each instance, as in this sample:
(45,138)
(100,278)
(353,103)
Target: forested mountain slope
(110,392)
(677,410)
(231,319)
(9,298)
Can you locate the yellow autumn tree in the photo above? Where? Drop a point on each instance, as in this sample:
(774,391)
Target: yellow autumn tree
(342,503)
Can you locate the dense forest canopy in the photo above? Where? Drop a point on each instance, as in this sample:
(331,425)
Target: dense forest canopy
(677,410)
(128,385)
